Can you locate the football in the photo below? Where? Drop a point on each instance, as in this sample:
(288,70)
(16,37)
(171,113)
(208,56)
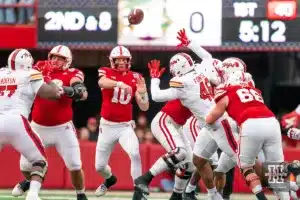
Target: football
(136,16)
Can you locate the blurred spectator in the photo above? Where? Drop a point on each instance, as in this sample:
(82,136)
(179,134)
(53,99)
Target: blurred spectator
(7,15)
(148,137)
(26,17)
(142,121)
(140,134)
(90,132)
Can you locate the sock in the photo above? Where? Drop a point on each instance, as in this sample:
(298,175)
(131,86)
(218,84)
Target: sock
(80,191)
(181,179)
(25,185)
(159,166)
(35,186)
(190,188)
(106,173)
(110,181)
(261,196)
(135,166)
(148,177)
(212,191)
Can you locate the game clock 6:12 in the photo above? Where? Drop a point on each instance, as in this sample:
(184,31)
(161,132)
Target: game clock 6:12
(260,30)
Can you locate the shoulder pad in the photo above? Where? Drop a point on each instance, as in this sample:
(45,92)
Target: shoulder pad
(176,82)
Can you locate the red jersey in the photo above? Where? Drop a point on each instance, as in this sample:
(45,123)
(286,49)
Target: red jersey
(47,112)
(245,102)
(177,111)
(116,107)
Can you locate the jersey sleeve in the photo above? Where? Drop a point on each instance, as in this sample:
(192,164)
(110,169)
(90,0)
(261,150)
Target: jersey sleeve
(220,92)
(36,80)
(78,74)
(102,71)
(159,95)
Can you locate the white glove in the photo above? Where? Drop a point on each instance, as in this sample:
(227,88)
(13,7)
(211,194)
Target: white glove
(294,133)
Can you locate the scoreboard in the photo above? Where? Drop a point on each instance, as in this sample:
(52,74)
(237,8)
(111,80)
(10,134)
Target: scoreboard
(265,25)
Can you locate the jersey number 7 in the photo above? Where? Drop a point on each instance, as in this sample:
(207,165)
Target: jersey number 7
(7,90)
(119,96)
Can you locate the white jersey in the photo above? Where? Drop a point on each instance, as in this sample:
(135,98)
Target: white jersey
(193,89)
(18,90)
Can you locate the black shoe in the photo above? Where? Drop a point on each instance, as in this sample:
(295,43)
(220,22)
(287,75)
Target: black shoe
(189,196)
(138,194)
(176,196)
(81,197)
(142,184)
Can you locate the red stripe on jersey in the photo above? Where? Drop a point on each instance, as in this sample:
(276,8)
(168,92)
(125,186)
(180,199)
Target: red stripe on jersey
(13,58)
(195,128)
(36,140)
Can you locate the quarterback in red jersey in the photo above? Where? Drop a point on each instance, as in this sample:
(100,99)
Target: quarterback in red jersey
(119,85)
(53,119)
(259,129)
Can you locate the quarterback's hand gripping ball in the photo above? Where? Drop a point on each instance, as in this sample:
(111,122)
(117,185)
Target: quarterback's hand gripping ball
(182,37)
(154,69)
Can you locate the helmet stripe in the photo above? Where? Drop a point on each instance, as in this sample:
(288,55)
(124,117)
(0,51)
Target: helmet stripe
(13,58)
(188,58)
(59,48)
(121,51)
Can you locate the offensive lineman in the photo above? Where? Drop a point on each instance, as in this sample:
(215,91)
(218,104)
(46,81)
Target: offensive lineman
(119,85)
(53,119)
(19,85)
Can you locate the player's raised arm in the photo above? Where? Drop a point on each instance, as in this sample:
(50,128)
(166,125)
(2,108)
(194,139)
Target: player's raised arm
(141,95)
(157,94)
(192,45)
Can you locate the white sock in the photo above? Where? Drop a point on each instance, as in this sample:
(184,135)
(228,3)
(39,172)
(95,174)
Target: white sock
(136,166)
(106,173)
(80,191)
(190,188)
(179,184)
(35,186)
(212,191)
(159,166)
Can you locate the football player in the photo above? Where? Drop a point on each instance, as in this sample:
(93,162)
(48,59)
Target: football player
(239,97)
(119,86)
(53,119)
(19,85)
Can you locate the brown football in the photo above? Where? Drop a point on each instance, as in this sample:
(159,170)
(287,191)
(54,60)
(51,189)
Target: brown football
(136,16)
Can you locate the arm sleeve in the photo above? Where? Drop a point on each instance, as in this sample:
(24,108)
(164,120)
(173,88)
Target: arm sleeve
(159,95)
(199,51)
(36,80)
(79,74)
(102,72)
(220,93)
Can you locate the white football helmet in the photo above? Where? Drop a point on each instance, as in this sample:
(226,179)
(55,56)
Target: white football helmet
(20,59)
(181,64)
(62,51)
(239,78)
(208,69)
(120,52)
(232,65)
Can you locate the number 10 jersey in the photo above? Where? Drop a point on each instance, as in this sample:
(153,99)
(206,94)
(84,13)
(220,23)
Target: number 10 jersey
(116,106)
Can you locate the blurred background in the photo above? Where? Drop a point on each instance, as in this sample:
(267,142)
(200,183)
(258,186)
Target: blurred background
(264,34)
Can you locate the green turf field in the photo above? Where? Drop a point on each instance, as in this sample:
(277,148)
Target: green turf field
(69,195)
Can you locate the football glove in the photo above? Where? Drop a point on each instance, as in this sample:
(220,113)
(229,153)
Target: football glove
(294,133)
(79,89)
(45,68)
(182,37)
(154,70)
(290,120)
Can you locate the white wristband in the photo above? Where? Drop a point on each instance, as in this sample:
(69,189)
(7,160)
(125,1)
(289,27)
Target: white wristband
(119,84)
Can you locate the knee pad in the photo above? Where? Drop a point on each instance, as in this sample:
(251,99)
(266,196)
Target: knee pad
(174,157)
(39,168)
